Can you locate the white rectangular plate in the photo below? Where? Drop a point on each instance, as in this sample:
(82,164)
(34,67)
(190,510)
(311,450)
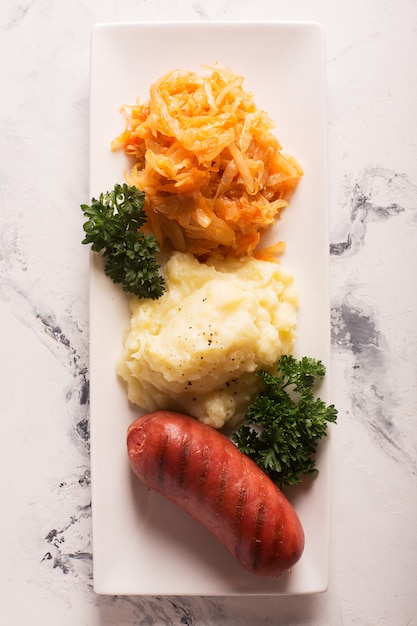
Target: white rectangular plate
(141,543)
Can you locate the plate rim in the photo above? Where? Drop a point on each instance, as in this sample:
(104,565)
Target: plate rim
(212,25)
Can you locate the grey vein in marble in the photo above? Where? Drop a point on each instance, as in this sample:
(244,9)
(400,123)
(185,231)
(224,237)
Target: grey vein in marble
(373,195)
(354,329)
(81,384)
(356,324)
(63,543)
(66,342)
(17,14)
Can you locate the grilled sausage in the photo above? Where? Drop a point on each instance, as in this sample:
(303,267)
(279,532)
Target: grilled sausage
(202,471)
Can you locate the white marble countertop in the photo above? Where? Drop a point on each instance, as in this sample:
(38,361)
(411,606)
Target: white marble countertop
(45,526)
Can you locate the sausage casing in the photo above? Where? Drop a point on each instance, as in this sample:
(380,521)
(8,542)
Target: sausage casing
(202,471)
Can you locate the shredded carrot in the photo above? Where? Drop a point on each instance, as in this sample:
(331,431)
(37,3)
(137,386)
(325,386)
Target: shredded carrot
(214,175)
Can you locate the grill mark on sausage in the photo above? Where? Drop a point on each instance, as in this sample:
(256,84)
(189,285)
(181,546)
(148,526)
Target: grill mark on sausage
(240,507)
(162,456)
(241,503)
(224,479)
(204,470)
(258,527)
(238,519)
(185,453)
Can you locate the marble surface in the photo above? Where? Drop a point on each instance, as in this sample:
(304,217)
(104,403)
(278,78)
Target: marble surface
(45,526)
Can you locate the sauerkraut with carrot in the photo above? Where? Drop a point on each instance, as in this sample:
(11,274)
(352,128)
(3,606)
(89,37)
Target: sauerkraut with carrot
(214,174)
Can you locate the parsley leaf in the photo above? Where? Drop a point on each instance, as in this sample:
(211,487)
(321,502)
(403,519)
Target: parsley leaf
(283,427)
(113,228)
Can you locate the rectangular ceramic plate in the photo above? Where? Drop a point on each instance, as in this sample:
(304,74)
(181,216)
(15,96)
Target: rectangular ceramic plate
(142,544)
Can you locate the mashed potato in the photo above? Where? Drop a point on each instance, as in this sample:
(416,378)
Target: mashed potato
(196,349)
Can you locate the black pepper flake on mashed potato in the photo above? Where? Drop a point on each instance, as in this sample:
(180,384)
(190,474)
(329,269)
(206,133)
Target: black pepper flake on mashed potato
(211,331)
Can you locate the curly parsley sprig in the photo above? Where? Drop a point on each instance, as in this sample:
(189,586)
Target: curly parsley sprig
(283,427)
(113,228)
